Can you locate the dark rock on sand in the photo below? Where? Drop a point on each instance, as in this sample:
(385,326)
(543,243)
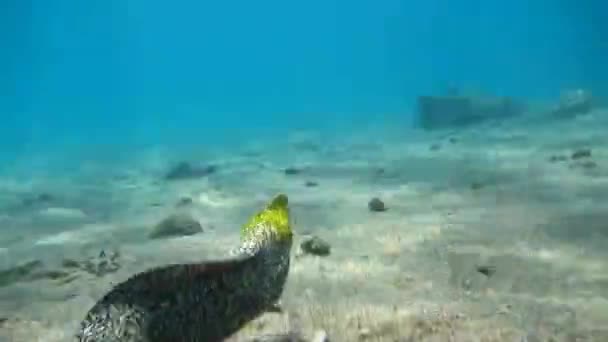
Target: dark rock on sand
(487,270)
(292,171)
(376,205)
(557,158)
(315,246)
(574,102)
(185,170)
(436,112)
(176,225)
(581,153)
(477,186)
(311,184)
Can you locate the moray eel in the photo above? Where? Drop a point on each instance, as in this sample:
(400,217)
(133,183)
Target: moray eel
(200,302)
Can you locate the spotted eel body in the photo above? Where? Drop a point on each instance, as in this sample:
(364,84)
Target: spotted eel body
(199,302)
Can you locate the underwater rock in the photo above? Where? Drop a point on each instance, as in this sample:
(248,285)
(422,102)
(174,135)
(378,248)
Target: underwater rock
(376,205)
(315,246)
(292,171)
(573,102)
(435,147)
(487,270)
(581,159)
(477,186)
(176,225)
(185,170)
(311,184)
(581,153)
(453,111)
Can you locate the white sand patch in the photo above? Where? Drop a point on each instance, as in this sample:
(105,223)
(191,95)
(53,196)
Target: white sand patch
(216,199)
(88,233)
(63,213)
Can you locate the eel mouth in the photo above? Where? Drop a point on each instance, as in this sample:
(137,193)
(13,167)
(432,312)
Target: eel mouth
(274,216)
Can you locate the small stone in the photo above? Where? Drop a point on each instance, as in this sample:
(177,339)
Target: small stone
(557,158)
(487,270)
(176,225)
(311,184)
(477,186)
(376,205)
(290,171)
(315,246)
(581,153)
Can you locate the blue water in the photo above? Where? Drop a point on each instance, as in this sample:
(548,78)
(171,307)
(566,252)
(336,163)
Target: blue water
(115,72)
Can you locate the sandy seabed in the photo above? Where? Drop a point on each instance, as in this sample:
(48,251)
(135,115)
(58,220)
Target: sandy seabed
(522,197)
